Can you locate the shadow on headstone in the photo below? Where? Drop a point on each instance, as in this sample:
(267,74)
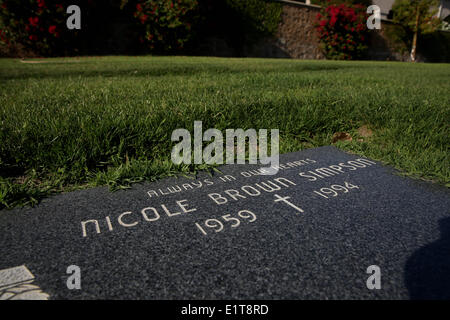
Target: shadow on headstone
(427,271)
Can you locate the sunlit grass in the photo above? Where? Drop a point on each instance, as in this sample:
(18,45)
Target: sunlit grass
(74,123)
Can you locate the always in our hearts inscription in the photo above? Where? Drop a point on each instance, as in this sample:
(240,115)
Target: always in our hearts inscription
(310,231)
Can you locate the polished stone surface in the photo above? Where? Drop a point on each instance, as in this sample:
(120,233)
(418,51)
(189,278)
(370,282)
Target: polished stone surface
(309,232)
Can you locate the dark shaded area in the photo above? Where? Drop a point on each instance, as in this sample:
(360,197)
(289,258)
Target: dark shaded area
(328,2)
(159,71)
(393,42)
(435,47)
(221,28)
(226,30)
(427,271)
(107,29)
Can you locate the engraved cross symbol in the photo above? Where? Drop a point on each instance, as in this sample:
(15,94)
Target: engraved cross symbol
(285,200)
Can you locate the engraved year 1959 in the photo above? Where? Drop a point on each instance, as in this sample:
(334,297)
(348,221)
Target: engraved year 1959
(232,221)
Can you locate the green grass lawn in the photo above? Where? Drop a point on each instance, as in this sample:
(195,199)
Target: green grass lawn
(76,123)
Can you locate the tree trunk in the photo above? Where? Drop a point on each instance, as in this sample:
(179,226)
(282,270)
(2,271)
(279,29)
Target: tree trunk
(416,32)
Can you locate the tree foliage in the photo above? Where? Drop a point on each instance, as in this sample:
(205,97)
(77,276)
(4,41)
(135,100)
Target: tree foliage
(39,25)
(405,13)
(415,18)
(167,24)
(139,26)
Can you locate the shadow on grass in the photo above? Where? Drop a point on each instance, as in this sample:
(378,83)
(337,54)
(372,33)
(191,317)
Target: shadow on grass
(47,71)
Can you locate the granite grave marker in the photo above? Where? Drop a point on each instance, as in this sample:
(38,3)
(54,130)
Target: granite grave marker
(308,232)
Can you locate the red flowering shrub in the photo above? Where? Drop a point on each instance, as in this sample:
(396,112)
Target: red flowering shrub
(37,24)
(166,24)
(342,31)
